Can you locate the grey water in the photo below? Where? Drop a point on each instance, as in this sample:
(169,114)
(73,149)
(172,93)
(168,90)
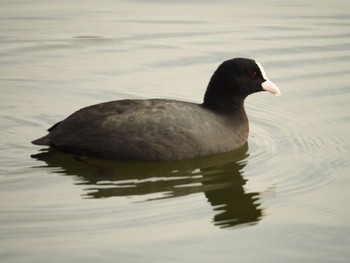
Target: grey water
(283,197)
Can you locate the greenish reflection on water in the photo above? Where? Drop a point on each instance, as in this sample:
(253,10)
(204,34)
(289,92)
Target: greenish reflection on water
(218,177)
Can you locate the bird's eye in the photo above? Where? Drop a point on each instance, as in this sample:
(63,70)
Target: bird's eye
(254,74)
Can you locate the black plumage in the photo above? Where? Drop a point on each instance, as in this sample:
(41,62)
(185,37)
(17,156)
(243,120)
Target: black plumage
(159,129)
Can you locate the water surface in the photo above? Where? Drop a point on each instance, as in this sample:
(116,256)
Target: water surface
(283,197)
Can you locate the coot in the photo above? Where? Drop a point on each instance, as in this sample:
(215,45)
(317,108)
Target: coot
(164,130)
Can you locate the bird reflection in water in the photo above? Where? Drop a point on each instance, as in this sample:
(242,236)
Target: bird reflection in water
(219,177)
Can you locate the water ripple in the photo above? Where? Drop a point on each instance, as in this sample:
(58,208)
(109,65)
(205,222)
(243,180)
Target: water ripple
(302,139)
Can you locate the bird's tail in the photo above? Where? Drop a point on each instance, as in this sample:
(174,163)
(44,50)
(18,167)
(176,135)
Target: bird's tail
(42,141)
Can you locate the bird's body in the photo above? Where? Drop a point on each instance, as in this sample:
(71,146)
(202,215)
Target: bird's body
(159,129)
(151,129)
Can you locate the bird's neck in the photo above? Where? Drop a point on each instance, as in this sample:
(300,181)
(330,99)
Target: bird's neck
(225,106)
(220,98)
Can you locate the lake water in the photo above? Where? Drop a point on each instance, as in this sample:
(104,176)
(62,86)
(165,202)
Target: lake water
(284,197)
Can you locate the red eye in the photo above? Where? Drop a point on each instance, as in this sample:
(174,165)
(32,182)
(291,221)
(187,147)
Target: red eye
(254,74)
